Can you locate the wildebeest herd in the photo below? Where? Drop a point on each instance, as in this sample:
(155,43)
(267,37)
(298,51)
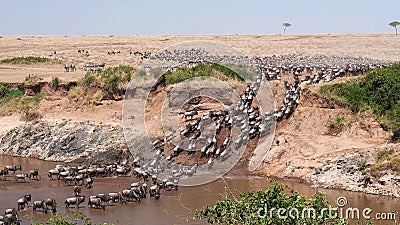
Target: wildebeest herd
(295,70)
(245,114)
(83,176)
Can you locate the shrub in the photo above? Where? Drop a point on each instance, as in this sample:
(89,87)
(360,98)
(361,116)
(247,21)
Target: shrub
(362,165)
(58,219)
(31,78)
(93,87)
(201,70)
(55,83)
(3,90)
(247,208)
(378,90)
(26,60)
(14,101)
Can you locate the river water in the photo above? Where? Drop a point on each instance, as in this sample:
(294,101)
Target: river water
(174,207)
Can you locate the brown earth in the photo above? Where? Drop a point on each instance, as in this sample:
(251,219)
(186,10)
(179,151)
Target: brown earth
(303,142)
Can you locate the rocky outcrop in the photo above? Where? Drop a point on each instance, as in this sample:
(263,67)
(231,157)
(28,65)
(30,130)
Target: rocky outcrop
(350,172)
(65,140)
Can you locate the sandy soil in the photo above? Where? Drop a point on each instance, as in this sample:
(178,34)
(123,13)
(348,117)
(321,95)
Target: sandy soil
(305,141)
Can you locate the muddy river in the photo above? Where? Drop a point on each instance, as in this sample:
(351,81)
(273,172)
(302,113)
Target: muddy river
(174,207)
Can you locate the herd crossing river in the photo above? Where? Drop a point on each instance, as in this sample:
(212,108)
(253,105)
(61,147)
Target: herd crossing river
(174,207)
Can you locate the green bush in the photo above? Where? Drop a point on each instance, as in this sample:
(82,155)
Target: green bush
(26,60)
(93,87)
(378,90)
(3,90)
(362,165)
(201,70)
(12,94)
(249,206)
(13,100)
(31,78)
(58,219)
(55,83)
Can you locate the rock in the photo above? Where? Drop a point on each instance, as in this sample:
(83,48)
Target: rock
(396,180)
(66,141)
(384,180)
(318,170)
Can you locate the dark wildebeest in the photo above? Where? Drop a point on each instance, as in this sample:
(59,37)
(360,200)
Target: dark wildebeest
(74,201)
(130,195)
(34,174)
(40,205)
(89,182)
(69,67)
(77,191)
(154,191)
(23,201)
(116,197)
(53,172)
(10,217)
(21,177)
(96,202)
(51,203)
(4,173)
(190,114)
(13,168)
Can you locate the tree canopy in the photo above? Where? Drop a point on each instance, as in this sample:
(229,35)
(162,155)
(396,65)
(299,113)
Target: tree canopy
(286,25)
(394,24)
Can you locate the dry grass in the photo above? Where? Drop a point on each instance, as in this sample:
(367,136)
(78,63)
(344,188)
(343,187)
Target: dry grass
(380,46)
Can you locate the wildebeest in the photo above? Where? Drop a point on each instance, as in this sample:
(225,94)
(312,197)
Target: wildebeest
(89,182)
(130,195)
(10,217)
(69,67)
(51,203)
(40,205)
(21,177)
(190,114)
(96,202)
(74,201)
(13,168)
(23,201)
(4,173)
(154,191)
(34,174)
(116,197)
(77,191)
(53,172)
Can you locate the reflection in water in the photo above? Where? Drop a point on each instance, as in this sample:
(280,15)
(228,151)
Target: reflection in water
(172,208)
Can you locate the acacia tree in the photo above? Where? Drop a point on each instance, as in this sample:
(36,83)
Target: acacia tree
(394,24)
(286,25)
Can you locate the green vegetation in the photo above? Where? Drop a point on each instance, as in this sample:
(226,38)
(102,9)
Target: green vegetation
(378,90)
(31,78)
(201,70)
(102,84)
(336,125)
(13,100)
(362,165)
(386,159)
(286,25)
(58,219)
(55,83)
(394,24)
(27,60)
(249,208)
